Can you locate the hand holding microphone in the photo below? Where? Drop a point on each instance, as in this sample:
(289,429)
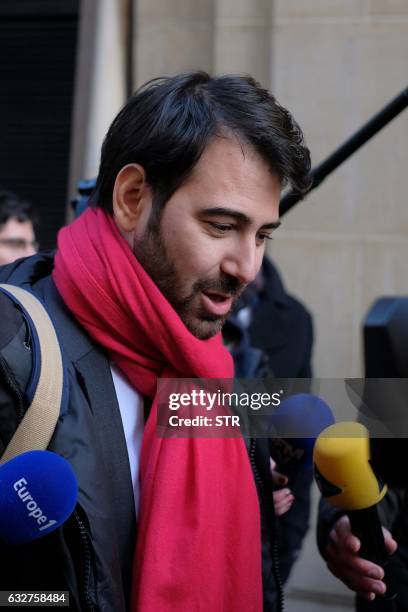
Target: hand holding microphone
(359,550)
(344,561)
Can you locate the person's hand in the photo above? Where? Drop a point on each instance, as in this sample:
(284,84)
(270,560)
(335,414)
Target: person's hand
(282,498)
(360,575)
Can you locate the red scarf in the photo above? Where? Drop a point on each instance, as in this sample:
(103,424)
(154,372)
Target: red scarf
(198,545)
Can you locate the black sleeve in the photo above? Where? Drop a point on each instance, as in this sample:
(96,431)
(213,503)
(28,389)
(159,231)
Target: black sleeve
(15,368)
(392,507)
(8,419)
(306,367)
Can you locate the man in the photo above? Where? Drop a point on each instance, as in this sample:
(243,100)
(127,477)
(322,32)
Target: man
(17,221)
(187,195)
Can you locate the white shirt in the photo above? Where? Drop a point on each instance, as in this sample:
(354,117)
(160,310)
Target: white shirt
(132,412)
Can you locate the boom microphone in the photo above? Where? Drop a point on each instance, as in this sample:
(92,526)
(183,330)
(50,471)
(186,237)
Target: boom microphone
(38,492)
(347,481)
(297,423)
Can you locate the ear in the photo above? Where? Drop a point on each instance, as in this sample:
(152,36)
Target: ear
(130,195)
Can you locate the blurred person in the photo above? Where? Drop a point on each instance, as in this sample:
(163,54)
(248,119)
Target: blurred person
(277,323)
(274,337)
(187,194)
(17,228)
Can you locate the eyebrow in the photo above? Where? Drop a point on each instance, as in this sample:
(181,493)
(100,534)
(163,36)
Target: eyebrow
(239,216)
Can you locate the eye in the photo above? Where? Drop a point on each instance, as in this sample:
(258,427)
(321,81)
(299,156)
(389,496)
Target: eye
(262,237)
(221,228)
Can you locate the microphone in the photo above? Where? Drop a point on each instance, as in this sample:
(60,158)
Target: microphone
(345,477)
(38,492)
(297,422)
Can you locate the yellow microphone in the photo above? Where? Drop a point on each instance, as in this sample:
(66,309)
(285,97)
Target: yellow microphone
(346,479)
(342,467)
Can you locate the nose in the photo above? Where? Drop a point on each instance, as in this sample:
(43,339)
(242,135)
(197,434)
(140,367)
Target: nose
(243,262)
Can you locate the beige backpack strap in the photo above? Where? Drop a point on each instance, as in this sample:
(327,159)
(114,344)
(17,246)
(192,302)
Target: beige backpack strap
(38,424)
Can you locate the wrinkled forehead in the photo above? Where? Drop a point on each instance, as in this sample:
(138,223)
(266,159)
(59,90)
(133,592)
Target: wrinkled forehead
(226,154)
(230,175)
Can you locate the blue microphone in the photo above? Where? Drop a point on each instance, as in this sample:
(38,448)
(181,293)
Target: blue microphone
(297,423)
(38,492)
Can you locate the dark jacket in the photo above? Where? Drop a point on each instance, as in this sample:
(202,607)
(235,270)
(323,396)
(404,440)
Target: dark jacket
(282,327)
(91,554)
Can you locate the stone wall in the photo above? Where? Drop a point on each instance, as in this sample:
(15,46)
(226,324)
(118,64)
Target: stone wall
(335,64)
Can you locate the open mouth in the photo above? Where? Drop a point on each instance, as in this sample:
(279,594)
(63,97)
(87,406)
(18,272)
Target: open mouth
(217,304)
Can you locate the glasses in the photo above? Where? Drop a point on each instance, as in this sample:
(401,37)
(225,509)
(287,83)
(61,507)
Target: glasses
(19,244)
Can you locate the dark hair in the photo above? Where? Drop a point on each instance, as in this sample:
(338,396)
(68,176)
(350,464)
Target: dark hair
(14,207)
(168,122)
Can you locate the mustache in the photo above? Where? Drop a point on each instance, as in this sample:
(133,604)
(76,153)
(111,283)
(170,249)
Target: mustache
(226,284)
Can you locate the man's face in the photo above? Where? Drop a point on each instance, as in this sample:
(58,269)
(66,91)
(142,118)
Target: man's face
(211,236)
(16,240)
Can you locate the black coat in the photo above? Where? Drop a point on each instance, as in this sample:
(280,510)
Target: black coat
(91,555)
(282,328)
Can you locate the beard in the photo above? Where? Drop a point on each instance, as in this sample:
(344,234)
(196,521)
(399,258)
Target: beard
(186,301)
